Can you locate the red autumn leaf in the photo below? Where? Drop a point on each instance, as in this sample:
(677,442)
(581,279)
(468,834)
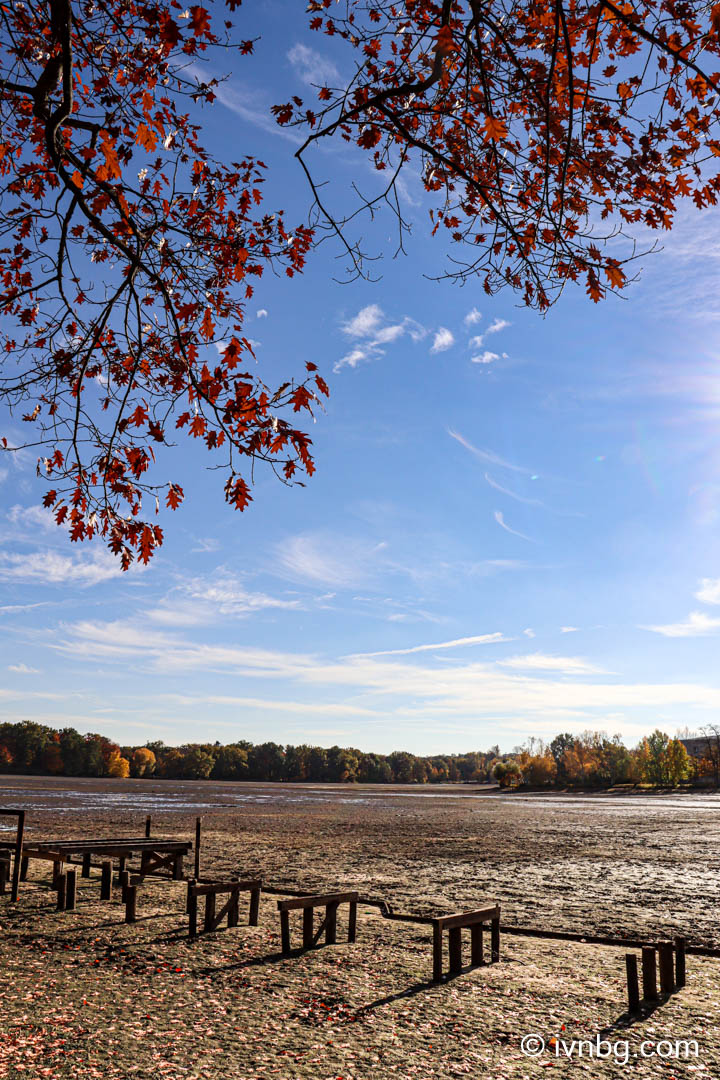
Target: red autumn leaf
(207,326)
(146,137)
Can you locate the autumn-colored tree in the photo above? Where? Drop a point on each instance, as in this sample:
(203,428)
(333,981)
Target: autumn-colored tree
(143,762)
(128,254)
(117,765)
(541,130)
(539,770)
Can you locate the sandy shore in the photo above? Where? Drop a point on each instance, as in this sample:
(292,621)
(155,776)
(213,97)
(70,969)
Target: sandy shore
(84,994)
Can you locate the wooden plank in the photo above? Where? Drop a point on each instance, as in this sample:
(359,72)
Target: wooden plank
(285,931)
(633,990)
(476,944)
(225,886)
(467,918)
(649,973)
(318,901)
(437,953)
(110,847)
(455,949)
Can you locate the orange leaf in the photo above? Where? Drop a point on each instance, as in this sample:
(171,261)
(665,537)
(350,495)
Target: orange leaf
(615,276)
(444,43)
(207,326)
(495,128)
(77,179)
(146,137)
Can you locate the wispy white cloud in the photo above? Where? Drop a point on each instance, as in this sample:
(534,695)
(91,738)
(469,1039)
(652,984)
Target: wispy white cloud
(325,559)
(478,639)
(262,313)
(23,669)
(202,600)
(498,515)
(486,357)
(253,107)
(402,688)
(473,317)
(372,330)
(50,568)
(697,624)
(443,340)
(487,456)
(569,665)
(513,494)
(709,591)
(312,67)
(569,629)
(529,632)
(495,327)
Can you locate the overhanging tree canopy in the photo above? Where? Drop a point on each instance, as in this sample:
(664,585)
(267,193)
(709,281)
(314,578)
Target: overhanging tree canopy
(540,130)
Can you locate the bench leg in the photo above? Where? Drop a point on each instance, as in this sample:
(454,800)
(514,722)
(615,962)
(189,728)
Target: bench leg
(455,949)
(495,940)
(178,868)
(437,953)
(352,921)
(331,924)
(209,910)
(476,944)
(24,867)
(254,907)
(106,880)
(285,931)
(307,928)
(86,866)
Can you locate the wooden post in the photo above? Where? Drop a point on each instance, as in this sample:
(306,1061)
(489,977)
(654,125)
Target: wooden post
(192,906)
(437,952)
(197,847)
(285,931)
(495,940)
(148,819)
(106,880)
(130,903)
(254,907)
(70,889)
(56,870)
(308,929)
(680,962)
(667,972)
(4,872)
(124,883)
(24,863)
(121,868)
(331,924)
(455,949)
(352,921)
(60,886)
(649,973)
(178,868)
(233,909)
(476,944)
(633,991)
(190,885)
(86,866)
(19,862)
(209,910)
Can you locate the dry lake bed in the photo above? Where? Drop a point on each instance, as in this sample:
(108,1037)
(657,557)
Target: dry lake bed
(83,994)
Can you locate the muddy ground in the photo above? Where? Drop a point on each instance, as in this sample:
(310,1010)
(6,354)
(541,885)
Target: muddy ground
(83,994)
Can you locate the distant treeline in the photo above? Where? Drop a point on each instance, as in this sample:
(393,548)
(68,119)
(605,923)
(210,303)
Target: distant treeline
(587,760)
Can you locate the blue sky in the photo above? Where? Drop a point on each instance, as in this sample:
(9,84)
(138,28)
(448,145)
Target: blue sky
(513,529)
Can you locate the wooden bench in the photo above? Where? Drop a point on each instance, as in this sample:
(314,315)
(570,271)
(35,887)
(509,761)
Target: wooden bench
(210,890)
(155,854)
(331,902)
(18,846)
(454,924)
